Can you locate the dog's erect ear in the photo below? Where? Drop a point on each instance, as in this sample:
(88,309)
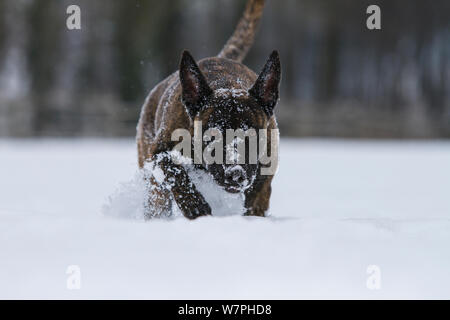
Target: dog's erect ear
(195,90)
(265,89)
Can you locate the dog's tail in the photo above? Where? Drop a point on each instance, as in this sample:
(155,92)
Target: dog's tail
(242,39)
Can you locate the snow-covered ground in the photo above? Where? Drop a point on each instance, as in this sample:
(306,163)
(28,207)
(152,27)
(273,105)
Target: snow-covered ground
(338,207)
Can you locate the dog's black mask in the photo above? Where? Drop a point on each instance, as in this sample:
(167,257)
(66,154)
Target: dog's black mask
(228,108)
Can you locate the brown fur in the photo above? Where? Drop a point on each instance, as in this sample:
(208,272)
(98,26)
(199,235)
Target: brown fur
(164,111)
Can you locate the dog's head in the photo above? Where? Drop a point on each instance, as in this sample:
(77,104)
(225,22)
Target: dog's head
(226,109)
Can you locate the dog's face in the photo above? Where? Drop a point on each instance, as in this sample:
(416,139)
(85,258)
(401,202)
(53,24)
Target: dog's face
(221,114)
(227,109)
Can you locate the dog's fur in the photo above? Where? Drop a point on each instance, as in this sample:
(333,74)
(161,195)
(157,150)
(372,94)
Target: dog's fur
(193,93)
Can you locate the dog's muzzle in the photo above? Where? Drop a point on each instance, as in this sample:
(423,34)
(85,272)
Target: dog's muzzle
(235,179)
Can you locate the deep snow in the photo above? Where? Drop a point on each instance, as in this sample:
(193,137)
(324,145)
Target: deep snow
(337,207)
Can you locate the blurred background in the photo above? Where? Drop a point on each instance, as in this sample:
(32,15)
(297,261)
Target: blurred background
(339,78)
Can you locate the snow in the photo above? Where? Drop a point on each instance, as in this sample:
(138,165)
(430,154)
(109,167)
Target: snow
(128,198)
(234,93)
(338,208)
(158,174)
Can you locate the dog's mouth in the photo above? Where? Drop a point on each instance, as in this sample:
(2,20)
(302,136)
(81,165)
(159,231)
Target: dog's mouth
(233,189)
(236,187)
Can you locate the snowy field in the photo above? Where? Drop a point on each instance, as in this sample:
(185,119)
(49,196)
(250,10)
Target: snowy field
(337,208)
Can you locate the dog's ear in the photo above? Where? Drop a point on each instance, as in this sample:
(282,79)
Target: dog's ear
(265,89)
(195,89)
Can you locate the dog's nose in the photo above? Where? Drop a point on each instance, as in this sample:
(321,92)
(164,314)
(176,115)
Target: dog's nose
(235,175)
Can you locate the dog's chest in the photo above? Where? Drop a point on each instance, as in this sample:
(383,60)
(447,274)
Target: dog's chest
(222,203)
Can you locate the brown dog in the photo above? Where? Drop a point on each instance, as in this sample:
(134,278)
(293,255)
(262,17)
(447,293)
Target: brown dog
(207,93)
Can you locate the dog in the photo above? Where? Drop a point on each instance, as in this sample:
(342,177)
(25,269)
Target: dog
(205,93)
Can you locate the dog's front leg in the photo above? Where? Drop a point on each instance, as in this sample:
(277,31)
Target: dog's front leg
(258,196)
(190,201)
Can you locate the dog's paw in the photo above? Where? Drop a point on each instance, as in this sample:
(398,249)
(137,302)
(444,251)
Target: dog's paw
(193,205)
(193,213)
(255,212)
